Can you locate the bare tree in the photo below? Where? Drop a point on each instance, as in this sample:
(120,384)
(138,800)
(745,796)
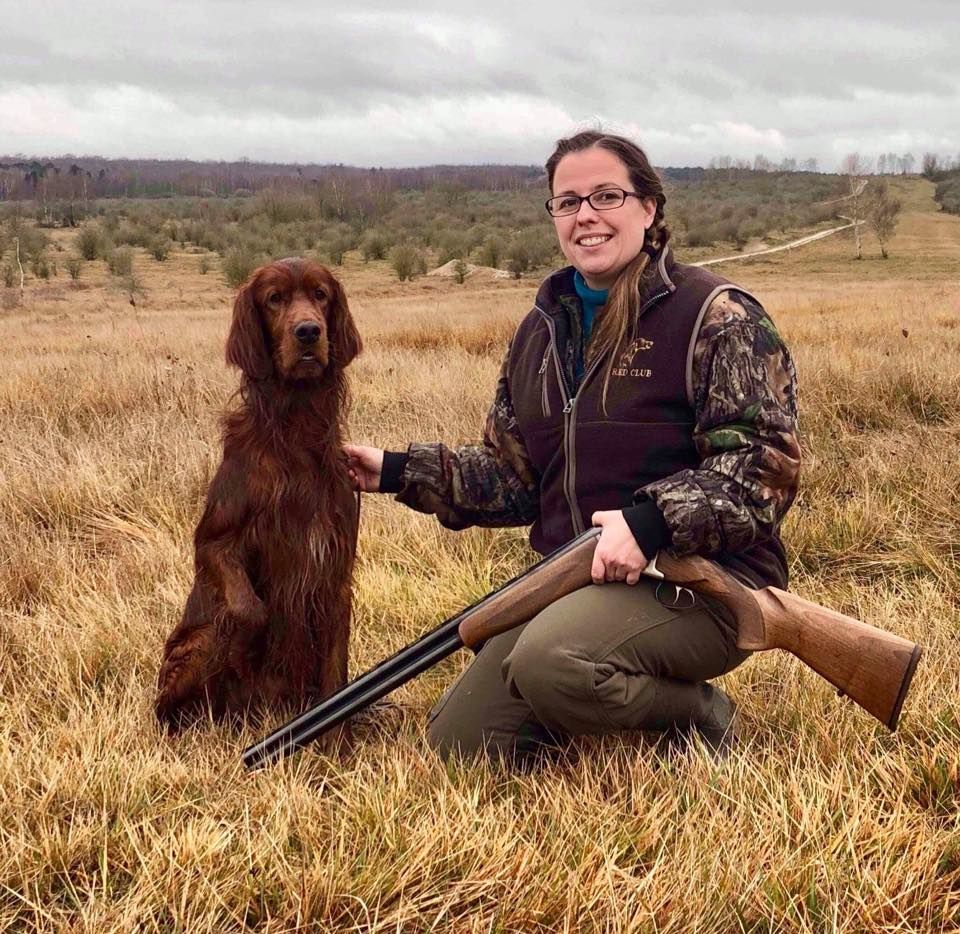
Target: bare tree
(929,164)
(855,167)
(882,212)
(16,241)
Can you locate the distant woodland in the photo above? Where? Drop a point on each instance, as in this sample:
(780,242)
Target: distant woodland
(242,213)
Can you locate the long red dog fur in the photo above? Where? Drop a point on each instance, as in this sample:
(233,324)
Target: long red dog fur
(268,619)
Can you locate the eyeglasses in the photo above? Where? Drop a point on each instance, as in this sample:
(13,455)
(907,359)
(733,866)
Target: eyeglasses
(606,199)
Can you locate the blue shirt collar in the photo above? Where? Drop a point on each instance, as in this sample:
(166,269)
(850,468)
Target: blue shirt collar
(588,295)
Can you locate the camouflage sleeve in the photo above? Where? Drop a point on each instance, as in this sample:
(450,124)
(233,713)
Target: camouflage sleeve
(490,484)
(745,404)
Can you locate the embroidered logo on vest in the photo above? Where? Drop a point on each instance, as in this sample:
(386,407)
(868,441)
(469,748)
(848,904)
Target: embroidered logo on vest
(625,365)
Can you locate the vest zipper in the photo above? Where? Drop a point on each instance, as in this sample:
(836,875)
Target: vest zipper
(569,421)
(652,300)
(568,401)
(570,450)
(544,394)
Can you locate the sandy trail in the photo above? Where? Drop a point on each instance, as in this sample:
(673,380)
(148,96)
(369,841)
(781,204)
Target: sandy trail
(777,249)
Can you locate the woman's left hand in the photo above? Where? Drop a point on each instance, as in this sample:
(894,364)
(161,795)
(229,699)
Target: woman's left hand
(618,556)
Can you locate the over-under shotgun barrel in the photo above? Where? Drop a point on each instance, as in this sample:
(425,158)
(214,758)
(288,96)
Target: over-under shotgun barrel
(872,667)
(553,580)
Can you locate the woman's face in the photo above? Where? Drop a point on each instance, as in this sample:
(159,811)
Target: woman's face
(599,243)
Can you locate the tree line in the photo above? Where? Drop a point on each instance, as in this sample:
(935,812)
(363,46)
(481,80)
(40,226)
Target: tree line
(360,211)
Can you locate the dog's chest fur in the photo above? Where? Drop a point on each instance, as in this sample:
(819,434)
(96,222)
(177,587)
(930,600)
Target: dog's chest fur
(317,542)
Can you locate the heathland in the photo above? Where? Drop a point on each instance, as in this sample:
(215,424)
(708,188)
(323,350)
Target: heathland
(821,820)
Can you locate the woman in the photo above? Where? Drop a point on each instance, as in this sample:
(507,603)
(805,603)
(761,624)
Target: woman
(658,402)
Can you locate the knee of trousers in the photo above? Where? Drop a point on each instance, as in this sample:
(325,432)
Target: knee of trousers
(556,681)
(449,738)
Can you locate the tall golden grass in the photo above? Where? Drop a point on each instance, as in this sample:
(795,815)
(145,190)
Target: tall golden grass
(820,821)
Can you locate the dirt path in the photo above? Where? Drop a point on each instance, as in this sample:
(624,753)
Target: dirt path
(776,249)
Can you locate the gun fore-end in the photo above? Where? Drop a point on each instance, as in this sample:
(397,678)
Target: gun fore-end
(559,574)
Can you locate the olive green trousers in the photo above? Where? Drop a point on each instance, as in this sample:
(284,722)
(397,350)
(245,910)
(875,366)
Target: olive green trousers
(603,659)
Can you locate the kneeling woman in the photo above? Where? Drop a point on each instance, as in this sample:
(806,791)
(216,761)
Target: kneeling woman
(649,398)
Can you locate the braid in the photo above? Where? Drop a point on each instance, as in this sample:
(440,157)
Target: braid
(658,236)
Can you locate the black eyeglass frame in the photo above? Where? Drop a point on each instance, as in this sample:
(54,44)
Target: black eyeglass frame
(589,199)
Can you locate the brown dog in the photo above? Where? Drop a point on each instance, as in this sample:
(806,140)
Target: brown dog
(268,619)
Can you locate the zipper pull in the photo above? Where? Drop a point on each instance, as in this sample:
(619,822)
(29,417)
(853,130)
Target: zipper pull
(543,366)
(567,408)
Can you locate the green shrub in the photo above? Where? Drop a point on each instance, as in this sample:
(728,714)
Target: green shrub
(239,263)
(407,261)
(159,249)
(120,261)
(335,249)
(74,265)
(699,236)
(542,248)
(374,245)
(452,245)
(39,264)
(205,264)
(726,230)
(748,230)
(105,248)
(947,193)
(491,252)
(88,242)
(518,256)
(33,242)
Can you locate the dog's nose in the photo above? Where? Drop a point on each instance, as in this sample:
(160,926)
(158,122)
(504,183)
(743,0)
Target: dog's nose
(307,332)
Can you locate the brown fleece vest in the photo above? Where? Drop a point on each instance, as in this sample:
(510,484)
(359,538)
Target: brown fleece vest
(589,460)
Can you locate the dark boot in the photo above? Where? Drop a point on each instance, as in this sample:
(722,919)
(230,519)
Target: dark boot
(714,727)
(718,729)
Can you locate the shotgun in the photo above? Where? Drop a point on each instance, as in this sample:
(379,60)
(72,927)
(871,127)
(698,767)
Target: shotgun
(872,667)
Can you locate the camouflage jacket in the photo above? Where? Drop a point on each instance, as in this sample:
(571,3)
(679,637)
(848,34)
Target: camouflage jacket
(727,493)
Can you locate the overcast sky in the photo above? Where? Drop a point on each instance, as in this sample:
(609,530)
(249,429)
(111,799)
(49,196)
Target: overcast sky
(377,83)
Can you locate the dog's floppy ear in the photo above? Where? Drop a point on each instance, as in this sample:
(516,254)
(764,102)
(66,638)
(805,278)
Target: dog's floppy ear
(247,343)
(344,338)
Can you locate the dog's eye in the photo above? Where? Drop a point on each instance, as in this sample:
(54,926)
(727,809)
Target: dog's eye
(274,298)
(321,295)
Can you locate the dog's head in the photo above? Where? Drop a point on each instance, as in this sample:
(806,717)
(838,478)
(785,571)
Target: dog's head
(291,321)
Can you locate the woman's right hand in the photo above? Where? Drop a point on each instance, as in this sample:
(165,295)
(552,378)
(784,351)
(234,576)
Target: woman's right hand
(364,466)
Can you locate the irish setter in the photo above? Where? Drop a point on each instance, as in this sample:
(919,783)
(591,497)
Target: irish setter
(268,618)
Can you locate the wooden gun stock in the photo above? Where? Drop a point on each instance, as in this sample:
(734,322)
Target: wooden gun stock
(872,667)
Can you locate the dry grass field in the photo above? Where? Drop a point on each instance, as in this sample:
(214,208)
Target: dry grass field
(821,820)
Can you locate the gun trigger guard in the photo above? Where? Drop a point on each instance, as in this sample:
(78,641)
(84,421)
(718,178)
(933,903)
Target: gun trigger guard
(676,604)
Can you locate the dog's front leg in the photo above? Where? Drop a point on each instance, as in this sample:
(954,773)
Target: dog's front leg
(244,614)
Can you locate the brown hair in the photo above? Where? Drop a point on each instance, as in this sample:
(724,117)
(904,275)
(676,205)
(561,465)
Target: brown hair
(623,303)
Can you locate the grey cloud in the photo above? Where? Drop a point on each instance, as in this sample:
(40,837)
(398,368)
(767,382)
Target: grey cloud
(300,73)
(811,74)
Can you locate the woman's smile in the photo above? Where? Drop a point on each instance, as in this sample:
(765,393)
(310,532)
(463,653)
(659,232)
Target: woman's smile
(590,240)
